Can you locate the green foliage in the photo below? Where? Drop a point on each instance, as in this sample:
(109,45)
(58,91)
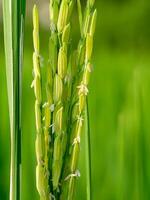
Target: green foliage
(121,45)
(13,14)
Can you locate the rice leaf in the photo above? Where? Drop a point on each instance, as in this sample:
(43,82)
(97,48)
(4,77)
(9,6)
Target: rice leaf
(13,16)
(88,152)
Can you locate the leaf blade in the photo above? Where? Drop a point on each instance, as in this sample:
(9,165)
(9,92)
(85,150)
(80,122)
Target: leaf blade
(13,13)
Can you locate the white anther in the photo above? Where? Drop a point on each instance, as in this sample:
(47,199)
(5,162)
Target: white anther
(76,174)
(83,89)
(45,104)
(80,118)
(51,125)
(76,140)
(52,107)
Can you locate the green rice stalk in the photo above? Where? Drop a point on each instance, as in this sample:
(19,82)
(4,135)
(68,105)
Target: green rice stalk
(51,71)
(79,102)
(13,16)
(59,90)
(42,175)
(68,74)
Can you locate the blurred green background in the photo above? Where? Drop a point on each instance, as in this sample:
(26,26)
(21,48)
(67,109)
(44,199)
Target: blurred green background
(119,101)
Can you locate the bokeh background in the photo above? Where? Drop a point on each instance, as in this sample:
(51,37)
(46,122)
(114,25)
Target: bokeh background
(119,102)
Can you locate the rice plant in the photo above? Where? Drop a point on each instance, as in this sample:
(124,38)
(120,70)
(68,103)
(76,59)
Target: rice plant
(60,117)
(13,15)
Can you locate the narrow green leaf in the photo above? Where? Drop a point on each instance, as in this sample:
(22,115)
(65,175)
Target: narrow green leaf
(88,152)
(13,16)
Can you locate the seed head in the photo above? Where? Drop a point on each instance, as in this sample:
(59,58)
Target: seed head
(58,120)
(89,47)
(81,53)
(37,89)
(41,180)
(63,14)
(53,51)
(54,12)
(36,65)
(47,115)
(86,25)
(66,34)
(36,42)
(57,148)
(35,18)
(62,63)
(71,5)
(93,23)
(39,148)
(56,171)
(57,162)
(58,88)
